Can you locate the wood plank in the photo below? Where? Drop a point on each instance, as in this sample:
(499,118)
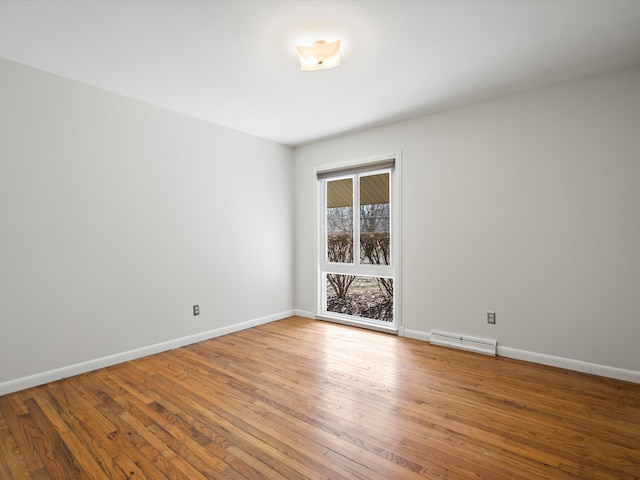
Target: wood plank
(58,459)
(12,464)
(14,419)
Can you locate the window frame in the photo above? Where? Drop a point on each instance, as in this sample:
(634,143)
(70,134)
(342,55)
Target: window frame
(384,164)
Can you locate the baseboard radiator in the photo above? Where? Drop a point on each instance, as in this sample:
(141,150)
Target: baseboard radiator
(472,344)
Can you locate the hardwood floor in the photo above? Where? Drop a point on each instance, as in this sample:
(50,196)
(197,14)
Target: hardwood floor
(300,399)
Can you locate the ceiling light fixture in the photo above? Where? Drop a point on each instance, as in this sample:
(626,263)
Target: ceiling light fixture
(319,56)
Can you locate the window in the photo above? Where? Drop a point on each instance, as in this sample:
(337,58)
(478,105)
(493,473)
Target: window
(359,244)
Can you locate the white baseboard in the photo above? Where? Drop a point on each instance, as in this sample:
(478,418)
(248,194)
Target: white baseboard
(84,367)
(570,364)
(543,359)
(305,314)
(415,334)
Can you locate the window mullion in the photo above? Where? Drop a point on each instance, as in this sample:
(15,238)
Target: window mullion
(356,220)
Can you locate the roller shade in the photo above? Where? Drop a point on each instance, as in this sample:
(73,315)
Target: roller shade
(358,168)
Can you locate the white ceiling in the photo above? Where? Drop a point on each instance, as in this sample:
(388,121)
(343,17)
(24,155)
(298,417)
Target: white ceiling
(233,63)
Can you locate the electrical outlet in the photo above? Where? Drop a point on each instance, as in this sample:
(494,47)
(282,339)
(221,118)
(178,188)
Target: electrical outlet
(196,310)
(491,318)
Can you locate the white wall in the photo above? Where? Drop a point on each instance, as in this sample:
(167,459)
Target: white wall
(528,205)
(116,217)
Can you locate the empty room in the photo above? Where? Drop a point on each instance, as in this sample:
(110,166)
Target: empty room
(333,239)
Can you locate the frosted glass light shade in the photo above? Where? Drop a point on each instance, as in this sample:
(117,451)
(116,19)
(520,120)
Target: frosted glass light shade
(319,56)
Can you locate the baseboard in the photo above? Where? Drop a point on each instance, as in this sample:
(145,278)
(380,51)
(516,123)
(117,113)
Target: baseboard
(543,359)
(88,366)
(570,364)
(305,314)
(415,334)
